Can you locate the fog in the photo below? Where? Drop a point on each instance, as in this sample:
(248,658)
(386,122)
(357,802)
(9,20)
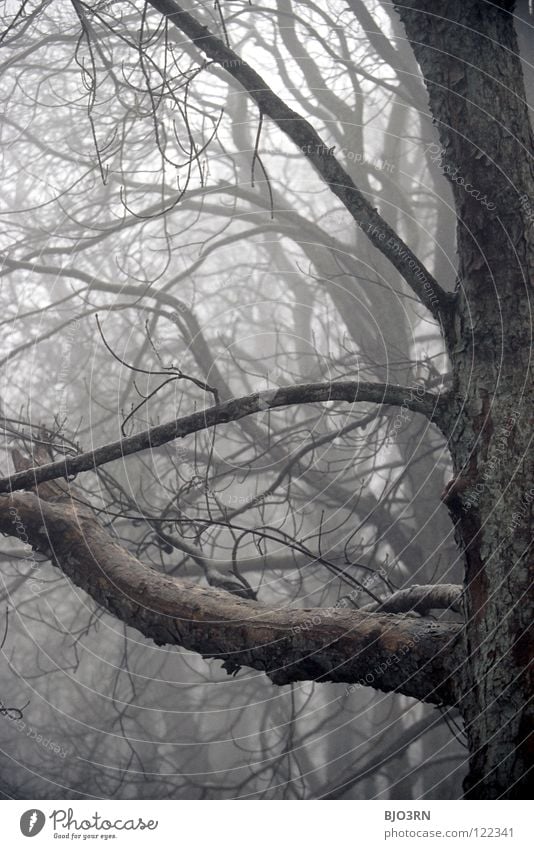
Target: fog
(165,248)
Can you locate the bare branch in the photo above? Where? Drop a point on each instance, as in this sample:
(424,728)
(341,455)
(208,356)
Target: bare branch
(302,133)
(430,405)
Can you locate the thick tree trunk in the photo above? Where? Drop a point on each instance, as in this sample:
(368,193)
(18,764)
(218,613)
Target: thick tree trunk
(473,74)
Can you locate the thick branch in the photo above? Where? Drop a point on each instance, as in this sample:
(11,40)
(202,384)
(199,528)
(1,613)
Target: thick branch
(301,132)
(411,656)
(430,405)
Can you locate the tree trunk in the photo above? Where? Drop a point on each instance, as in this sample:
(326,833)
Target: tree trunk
(473,74)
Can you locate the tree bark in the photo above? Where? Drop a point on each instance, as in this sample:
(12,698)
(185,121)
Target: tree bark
(472,70)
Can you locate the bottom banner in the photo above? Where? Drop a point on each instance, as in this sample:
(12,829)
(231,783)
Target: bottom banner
(241,824)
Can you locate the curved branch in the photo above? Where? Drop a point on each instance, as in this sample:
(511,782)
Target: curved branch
(416,657)
(430,405)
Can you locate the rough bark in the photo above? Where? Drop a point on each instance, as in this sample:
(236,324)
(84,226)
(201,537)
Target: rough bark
(421,599)
(471,67)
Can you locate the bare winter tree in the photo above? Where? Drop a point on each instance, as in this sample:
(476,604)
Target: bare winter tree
(231,267)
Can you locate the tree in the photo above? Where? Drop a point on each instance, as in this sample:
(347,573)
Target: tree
(469,61)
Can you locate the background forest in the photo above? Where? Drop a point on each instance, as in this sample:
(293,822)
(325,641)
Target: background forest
(165,248)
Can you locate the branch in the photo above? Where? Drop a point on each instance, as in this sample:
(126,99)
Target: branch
(421,599)
(302,133)
(430,405)
(415,657)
